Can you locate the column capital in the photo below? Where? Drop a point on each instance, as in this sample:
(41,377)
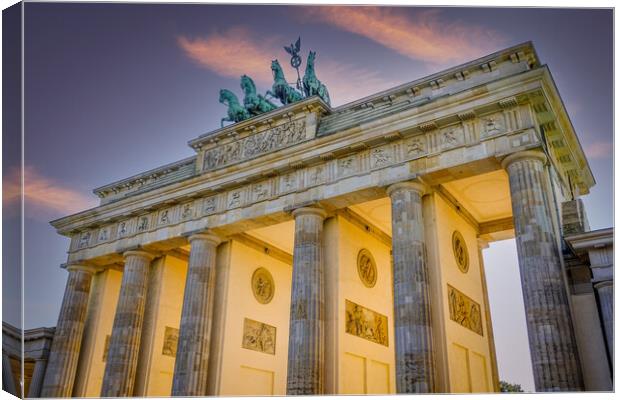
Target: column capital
(483,243)
(83,267)
(309,210)
(417,186)
(524,155)
(139,253)
(602,284)
(205,236)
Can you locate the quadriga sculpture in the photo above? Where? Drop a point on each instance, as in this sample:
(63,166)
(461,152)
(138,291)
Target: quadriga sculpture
(311,83)
(281,89)
(236,112)
(254,103)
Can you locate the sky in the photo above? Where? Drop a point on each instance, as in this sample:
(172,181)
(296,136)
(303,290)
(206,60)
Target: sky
(112,90)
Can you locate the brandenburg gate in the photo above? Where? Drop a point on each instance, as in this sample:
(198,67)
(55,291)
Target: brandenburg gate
(318,250)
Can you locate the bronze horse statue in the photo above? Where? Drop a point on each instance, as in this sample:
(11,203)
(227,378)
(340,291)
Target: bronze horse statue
(281,89)
(236,112)
(255,103)
(313,86)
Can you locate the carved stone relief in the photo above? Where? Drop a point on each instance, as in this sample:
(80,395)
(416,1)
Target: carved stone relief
(366,268)
(452,136)
(263,286)
(143,223)
(288,182)
(346,166)
(464,311)
(122,229)
(210,205)
(104,234)
(259,336)
(491,125)
(171,341)
(259,143)
(260,191)
(84,240)
(459,248)
(380,157)
(366,323)
(187,211)
(164,217)
(315,175)
(415,146)
(235,198)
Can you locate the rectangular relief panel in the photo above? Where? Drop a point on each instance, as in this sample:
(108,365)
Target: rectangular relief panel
(353,374)
(378,377)
(459,370)
(479,376)
(464,311)
(255,382)
(366,323)
(259,336)
(171,340)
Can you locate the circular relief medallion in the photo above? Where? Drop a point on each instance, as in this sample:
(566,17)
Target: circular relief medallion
(460,251)
(367,268)
(263,286)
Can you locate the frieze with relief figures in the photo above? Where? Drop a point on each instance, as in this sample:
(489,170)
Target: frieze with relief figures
(259,336)
(275,138)
(464,311)
(366,323)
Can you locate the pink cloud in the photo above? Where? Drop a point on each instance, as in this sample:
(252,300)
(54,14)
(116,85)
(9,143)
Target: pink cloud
(44,197)
(233,53)
(426,36)
(238,51)
(598,149)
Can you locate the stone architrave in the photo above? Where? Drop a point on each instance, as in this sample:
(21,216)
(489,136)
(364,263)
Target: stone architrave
(65,351)
(122,360)
(192,359)
(307,325)
(550,330)
(415,364)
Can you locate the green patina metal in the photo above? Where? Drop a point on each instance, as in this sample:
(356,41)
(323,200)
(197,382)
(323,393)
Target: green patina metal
(256,104)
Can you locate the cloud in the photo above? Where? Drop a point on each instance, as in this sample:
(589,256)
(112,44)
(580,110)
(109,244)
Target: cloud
(237,51)
(44,197)
(425,36)
(598,149)
(233,53)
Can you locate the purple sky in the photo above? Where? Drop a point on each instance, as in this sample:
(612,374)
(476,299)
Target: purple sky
(116,89)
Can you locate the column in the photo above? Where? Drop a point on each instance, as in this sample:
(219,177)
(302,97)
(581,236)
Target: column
(550,330)
(120,369)
(307,323)
(37,378)
(415,364)
(8,380)
(192,360)
(65,351)
(605,291)
(483,244)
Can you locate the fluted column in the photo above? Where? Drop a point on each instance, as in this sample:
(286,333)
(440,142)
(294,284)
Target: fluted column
(307,319)
(37,378)
(550,330)
(62,362)
(415,364)
(605,291)
(120,369)
(192,360)
(8,380)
